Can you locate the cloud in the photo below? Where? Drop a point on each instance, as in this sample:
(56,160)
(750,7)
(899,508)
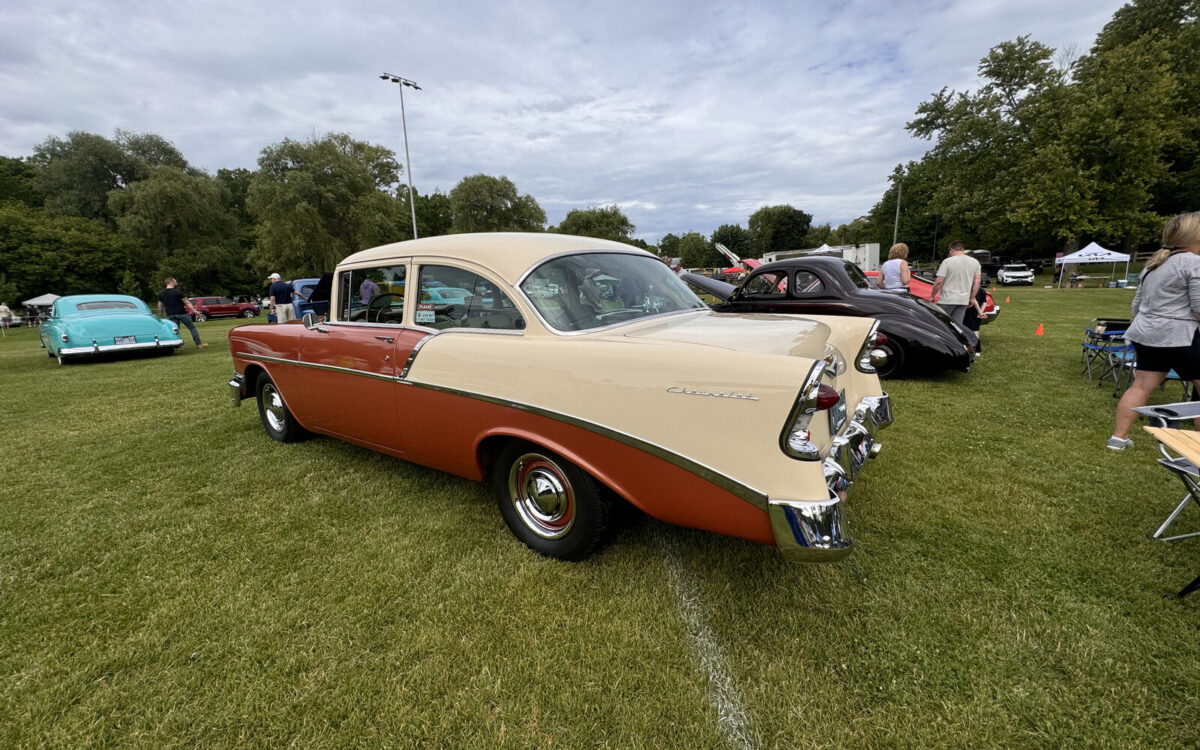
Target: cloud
(687,116)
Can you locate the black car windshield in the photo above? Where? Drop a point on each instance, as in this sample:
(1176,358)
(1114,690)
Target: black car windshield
(857,276)
(583,291)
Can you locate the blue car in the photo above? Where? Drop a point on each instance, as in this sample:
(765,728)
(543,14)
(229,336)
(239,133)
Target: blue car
(85,325)
(316,296)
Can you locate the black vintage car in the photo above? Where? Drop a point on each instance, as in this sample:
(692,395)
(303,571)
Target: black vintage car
(921,337)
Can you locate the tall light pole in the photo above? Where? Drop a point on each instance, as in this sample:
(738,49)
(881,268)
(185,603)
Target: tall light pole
(896,223)
(412,197)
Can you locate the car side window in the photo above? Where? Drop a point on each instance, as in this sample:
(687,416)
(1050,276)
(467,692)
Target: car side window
(768,284)
(457,298)
(372,295)
(808,282)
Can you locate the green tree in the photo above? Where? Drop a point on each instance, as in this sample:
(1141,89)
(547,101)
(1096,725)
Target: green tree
(668,246)
(77,173)
(435,215)
(60,254)
(775,228)
(697,252)
(734,237)
(606,222)
(182,223)
(483,203)
(319,201)
(17,182)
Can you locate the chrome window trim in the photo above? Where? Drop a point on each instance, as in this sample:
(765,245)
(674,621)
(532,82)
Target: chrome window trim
(752,495)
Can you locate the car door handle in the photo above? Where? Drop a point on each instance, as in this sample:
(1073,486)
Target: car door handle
(387,339)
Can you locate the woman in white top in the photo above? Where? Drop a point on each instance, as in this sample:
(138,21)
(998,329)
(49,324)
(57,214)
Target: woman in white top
(894,273)
(1165,332)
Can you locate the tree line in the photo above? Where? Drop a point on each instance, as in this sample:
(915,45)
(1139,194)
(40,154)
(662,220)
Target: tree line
(1050,152)
(86,213)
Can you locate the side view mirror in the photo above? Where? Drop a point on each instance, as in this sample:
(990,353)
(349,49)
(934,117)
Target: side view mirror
(310,320)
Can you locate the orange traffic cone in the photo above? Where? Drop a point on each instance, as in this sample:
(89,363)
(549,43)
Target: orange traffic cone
(1006,300)
(1038,332)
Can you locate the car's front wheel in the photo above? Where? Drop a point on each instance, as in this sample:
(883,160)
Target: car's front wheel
(277,419)
(549,503)
(248,313)
(201,317)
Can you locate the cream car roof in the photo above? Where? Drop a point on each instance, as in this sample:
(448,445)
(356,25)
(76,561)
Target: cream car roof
(509,254)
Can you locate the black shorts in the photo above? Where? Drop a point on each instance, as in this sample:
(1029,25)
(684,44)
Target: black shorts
(1184,360)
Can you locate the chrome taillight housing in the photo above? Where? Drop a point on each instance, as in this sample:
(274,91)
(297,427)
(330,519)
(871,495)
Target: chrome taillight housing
(64,338)
(871,356)
(796,439)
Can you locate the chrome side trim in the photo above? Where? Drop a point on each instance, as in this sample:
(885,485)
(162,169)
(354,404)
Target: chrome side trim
(315,366)
(754,496)
(413,355)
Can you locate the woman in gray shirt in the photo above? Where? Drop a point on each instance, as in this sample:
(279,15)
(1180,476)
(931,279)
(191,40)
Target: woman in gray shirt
(1166,321)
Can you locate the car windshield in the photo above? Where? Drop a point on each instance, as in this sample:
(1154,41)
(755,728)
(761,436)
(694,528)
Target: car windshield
(1016,268)
(583,291)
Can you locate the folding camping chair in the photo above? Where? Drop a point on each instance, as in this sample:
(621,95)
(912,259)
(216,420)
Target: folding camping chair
(1164,421)
(1187,443)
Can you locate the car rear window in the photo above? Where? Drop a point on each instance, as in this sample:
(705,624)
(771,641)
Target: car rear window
(105,305)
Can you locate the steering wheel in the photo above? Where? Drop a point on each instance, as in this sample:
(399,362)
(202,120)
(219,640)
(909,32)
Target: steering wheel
(379,306)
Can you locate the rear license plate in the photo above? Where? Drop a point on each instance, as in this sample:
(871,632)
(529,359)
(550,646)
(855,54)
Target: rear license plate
(129,340)
(837,414)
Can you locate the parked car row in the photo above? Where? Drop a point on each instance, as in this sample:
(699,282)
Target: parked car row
(574,374)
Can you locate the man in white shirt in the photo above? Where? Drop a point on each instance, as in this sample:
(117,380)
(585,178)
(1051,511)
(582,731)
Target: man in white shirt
(957,283)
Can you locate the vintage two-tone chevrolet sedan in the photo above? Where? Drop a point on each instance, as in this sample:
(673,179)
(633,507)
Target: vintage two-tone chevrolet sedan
(576,373)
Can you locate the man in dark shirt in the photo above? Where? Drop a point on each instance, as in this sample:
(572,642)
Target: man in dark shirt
(281,299)
(179,309)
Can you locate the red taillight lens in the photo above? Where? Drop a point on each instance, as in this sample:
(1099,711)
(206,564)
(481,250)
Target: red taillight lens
(879,339)
(827,397)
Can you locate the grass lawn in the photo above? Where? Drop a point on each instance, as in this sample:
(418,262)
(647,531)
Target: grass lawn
(170,577)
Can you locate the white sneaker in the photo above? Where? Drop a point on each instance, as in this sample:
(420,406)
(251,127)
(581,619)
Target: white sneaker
(1119,444)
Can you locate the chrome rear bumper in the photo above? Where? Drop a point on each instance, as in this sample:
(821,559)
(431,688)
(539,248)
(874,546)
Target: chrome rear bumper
(813,530)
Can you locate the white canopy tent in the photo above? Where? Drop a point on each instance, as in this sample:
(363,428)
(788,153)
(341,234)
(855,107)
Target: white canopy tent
(1093,253)
(42,301)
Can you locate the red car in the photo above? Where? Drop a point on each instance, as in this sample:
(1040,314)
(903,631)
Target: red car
(222,307)
(922,286)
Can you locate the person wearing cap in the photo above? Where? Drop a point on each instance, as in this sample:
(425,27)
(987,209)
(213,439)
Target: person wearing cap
(281,299)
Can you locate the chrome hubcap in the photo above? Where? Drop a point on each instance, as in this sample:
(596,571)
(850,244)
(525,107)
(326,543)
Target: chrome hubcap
(273,408)
(542,496)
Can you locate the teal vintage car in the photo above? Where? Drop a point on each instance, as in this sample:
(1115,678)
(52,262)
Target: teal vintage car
(84,325)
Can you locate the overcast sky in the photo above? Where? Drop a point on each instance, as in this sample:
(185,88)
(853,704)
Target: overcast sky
(688,115)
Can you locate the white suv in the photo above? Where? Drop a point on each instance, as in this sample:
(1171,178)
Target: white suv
(1015,273)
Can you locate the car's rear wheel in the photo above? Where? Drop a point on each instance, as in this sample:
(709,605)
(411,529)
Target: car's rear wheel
(277,419)
(549,503)
(201,317)
(248,313)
